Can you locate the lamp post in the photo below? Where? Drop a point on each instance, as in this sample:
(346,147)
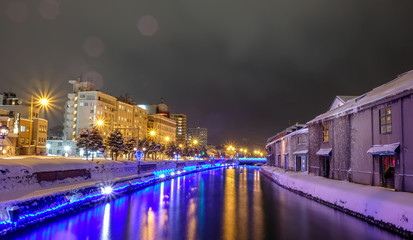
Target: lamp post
(4,131)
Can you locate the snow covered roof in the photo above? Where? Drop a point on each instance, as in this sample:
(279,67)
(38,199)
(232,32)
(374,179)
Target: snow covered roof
(344,98)
(388,149)
(402,83)
(301,131)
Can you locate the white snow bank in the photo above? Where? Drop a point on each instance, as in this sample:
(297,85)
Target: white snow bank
(379,203)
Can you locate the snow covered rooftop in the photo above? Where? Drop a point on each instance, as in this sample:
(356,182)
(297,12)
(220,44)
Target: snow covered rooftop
(402,83)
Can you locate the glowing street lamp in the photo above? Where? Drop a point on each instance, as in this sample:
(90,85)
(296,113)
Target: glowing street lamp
(195,142)
(167,139)
(100,123)
(67,148)
(44,102)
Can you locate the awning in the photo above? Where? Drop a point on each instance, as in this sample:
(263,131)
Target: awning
(324,151)
(386,149)
(302,152)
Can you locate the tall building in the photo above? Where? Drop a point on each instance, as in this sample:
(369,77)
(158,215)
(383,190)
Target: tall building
(180,127)
(87,108)
(199,134)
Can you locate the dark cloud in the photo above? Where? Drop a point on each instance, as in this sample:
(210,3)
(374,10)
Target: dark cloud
(243,69)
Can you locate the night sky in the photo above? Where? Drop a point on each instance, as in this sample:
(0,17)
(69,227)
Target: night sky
(243,69)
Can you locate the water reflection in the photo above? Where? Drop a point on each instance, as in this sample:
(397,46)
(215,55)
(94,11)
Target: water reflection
(106,223)
(232,203)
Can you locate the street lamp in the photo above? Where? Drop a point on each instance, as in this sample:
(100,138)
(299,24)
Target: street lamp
(4,131)
(67,148)
(100,123)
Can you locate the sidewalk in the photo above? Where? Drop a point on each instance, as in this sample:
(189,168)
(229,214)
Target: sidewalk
(375,204)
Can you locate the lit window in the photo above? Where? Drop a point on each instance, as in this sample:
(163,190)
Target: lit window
(385,120)
(325,132)
(22,129)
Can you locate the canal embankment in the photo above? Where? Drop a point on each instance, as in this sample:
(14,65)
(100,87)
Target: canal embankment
(381,206)
(38,190)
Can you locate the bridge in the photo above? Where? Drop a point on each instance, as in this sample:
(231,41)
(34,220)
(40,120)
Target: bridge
(252,161)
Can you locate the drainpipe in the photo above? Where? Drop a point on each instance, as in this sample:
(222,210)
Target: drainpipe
(402,145)
(372,142)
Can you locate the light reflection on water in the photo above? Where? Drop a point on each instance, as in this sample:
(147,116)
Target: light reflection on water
(232,203)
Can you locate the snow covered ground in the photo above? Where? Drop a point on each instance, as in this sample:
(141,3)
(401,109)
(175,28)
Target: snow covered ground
(18,182)
(379,205)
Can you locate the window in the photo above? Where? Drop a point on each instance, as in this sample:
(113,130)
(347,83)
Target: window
(22,128)
(299,140)
(59,144)
(81,104)
(325,132)
(385,120)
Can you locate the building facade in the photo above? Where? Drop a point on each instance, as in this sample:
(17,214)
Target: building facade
(366,140)
(289,148)
(61,147)
(180,127)
(199,134)
(88,108)
(164,129)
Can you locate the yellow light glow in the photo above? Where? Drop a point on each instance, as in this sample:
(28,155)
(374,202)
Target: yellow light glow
(152,132)
(99,122)
(44,102)
(180,145)
(167,139)
(195,141)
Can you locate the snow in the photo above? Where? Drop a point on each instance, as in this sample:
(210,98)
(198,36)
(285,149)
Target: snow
(18,181)
(379,203)
(402,83)
(301,131)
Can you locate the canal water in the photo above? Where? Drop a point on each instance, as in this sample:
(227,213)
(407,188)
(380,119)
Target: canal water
(231,203)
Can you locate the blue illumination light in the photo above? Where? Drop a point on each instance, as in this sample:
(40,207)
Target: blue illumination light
(139,155)
(189,168)
(97,197)
(107,190)
(163,171)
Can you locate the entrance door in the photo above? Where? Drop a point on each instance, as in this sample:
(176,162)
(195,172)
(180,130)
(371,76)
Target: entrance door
(297,163)
(387,162)
(303,163)
(286,161)
(326,166)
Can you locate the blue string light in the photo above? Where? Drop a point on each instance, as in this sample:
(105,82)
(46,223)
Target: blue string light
(103,195)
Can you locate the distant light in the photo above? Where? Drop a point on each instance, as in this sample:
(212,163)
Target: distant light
(147,26)
(172,173)
(179,172)
(48,145)
(67,148)
(162,175)
(107,190)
